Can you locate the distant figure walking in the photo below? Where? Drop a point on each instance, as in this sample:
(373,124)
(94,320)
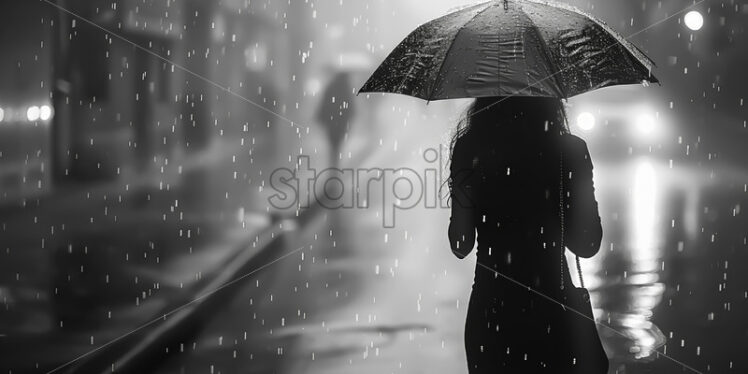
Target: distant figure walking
(505,181)
(335,112)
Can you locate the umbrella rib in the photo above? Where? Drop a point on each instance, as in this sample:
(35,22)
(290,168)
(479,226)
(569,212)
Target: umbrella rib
(630,49)
(622,42)
(629,54)
(451,44)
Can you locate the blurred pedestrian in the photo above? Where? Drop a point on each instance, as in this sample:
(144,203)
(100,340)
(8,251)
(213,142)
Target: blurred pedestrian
(335,112)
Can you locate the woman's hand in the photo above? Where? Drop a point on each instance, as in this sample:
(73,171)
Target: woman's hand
(461,233)
(462,222)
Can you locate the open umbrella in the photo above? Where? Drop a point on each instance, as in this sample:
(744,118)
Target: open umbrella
(510,48)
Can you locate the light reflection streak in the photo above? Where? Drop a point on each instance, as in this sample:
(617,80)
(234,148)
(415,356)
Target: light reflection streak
(626,282)
(641,290)
(643,221)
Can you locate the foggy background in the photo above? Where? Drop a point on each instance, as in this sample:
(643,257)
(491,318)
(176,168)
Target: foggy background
(138,231)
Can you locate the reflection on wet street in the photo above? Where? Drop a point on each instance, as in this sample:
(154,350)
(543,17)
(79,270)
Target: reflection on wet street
(656,218)
(628,288)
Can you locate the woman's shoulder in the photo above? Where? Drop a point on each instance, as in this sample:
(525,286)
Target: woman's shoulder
(573,140)
(574,144)
(576,152)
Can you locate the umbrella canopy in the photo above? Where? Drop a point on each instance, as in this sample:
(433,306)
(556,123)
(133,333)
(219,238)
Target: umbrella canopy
(510,48)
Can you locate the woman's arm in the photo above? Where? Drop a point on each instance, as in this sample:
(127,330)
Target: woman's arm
(462,192)
(583,227)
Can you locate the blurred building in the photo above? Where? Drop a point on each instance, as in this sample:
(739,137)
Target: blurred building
(138,108)
(107,90)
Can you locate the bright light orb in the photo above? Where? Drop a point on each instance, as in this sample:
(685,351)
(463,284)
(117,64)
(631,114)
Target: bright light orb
(32,114)
(645,123)
(45,112)
(313,86)
(693,20)
(2,114)
(586,121)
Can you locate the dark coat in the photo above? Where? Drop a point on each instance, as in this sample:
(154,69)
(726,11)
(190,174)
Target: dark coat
(508,190)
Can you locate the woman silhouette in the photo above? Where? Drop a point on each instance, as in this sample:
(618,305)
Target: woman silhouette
(505,178)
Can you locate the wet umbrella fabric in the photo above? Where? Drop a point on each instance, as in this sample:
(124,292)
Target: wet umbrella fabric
(508,48)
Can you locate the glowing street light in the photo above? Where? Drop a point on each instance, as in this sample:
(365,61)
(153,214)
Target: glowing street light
(32,114)
(693,20)
(45,112)
(586,121)
(645,123)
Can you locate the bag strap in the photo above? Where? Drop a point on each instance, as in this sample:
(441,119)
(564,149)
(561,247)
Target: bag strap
(561,207)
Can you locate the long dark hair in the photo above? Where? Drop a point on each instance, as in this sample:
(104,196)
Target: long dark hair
(500,115)
(491,121)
